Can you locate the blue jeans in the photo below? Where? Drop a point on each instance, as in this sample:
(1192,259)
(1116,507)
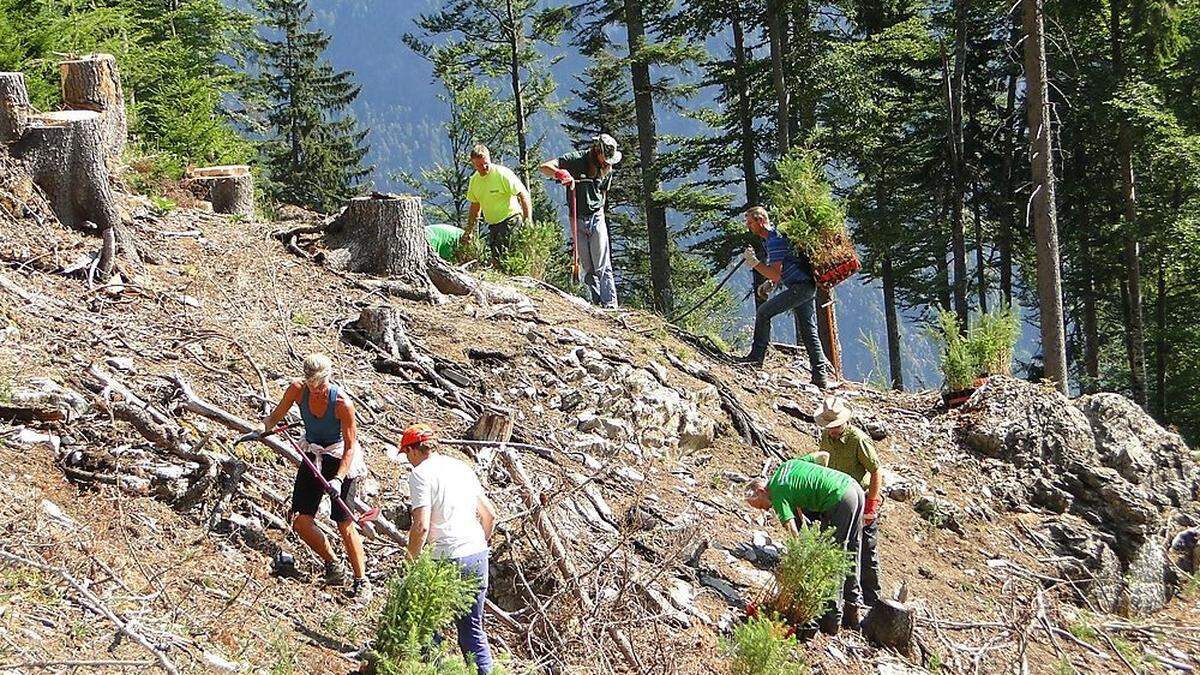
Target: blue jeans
(802,299)
(595,259)
(472,639)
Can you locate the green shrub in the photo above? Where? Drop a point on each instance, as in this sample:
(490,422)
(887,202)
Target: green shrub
(536,249)
(423,599)
(761,646)
(986,348)
(810,574)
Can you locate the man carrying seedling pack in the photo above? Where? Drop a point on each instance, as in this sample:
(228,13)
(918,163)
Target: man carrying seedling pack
(851,451)
(451,513)
(802,488)
(784,267)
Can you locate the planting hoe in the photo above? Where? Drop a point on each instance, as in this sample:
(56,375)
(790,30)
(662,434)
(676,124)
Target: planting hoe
(282,430)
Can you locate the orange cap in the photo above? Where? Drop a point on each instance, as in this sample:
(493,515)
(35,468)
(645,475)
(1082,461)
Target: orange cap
(416,433)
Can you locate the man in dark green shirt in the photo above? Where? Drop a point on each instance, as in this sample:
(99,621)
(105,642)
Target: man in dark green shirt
(588,176)
(851,451)
(803,487)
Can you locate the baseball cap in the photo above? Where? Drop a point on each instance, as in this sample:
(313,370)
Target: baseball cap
(608,145)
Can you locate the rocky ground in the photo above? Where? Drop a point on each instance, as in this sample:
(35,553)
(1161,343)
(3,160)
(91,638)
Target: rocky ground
(1033,533)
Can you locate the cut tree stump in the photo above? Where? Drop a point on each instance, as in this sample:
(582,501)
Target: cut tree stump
(383,327)
(15,110)
(230,188)
(383,235)
(493,424)
(93,83)
(64,153)
(890,624)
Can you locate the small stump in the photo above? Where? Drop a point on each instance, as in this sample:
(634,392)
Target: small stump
(14,107)
(890,624)
(230,188)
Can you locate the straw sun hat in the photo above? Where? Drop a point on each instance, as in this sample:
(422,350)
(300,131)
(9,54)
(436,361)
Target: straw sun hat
(833,413)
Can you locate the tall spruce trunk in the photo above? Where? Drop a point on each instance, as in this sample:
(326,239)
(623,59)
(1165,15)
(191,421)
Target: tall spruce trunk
(980,263)
(893,324)
(777,37)
(1091,321)
(1045,227)
(1161,348)
(515,30)
(1131,253)
(656,214)
(954,104)
(1004,237)
(746,122)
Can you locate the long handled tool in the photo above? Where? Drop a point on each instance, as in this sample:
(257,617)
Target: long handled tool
(575,273)
(282,430)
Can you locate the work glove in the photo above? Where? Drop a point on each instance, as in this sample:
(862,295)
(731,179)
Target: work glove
(252,436)
(563,176)
(872,511)
(335,488)
(765,288)
(750,257)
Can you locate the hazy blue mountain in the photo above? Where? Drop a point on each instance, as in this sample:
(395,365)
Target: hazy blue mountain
(399,104)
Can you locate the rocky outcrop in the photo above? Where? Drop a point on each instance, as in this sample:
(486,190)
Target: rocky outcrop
(1121,483)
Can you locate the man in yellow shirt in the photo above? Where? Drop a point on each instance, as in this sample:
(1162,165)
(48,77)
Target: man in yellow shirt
(504,200)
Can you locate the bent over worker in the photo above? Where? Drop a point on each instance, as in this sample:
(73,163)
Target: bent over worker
(589,173)
(802,487)
(851,451)
(330,440)
(451,513)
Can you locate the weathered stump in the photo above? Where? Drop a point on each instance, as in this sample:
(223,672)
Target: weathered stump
(93,83)
(230,188)
(14,107)
(383,327)
(64,153)
(890,624)
(383,235)
(492,425)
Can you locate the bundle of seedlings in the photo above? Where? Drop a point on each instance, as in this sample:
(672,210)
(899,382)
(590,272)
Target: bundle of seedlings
(807,214)
(969,357)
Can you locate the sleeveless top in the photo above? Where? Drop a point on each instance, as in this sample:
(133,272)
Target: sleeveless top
(323,430)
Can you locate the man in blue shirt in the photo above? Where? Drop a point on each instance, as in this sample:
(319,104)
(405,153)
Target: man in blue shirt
(788,268)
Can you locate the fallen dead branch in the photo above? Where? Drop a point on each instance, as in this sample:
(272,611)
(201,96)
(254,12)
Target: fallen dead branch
(95,604)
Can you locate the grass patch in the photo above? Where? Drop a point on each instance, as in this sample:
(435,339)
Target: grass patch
(302,318)
(162,205)
(1082,629)
(283,656)
(339,625)
(1191,587)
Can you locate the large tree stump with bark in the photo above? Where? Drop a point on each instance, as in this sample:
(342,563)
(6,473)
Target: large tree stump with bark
(14,107)
(64,153)
(230,188)
(383,235)
(890,624)
(93,83)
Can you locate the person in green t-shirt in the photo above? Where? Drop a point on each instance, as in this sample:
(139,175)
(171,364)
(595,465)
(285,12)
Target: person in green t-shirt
(444,239)
(802,488)
(500,195)
(588,175)
(851,451)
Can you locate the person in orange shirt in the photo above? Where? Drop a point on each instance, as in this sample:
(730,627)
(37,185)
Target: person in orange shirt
(330,440)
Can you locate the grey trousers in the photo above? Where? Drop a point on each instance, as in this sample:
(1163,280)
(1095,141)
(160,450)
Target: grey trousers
(595,259)
(846,520)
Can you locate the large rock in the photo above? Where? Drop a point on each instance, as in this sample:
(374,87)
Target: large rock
(1100,458)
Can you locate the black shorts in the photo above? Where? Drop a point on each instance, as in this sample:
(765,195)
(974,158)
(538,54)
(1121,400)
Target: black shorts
(307,492)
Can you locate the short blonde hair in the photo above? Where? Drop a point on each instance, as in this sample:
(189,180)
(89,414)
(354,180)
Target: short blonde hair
(758,213)
(480,150)
(317,369)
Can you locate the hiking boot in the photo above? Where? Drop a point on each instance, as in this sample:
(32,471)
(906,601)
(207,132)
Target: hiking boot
(362,591)
(335,574)
(749,360)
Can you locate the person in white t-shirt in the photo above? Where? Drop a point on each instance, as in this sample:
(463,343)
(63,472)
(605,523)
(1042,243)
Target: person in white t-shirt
(451,513)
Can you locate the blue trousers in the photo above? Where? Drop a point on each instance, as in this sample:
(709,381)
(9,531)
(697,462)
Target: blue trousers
(802,299)
(472,639)
(595,259)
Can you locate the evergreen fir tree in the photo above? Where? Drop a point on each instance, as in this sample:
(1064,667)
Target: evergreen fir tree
(315,151)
